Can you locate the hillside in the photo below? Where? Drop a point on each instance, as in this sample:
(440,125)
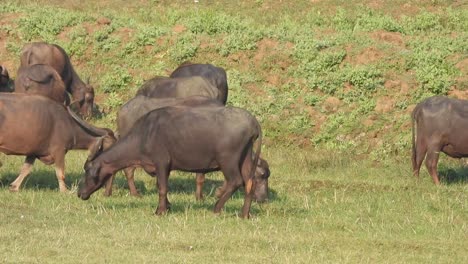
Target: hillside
(340,75)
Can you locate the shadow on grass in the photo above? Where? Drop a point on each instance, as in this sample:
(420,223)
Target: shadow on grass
(41,179)
(186,185)
(453,175)
(182,185)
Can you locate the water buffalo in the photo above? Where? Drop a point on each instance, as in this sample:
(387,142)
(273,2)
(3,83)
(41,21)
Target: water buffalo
(440,125)
(41,79)
(4,79)
(215,75)
(57,58)
(45,130)
(137,107)
(200,139)
(164,87)
(141,105)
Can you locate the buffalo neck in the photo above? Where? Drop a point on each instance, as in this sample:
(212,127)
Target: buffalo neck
(123,154)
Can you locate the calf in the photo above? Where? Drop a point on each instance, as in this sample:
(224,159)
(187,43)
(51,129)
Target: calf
(440,125)
(39,128)
(201,139)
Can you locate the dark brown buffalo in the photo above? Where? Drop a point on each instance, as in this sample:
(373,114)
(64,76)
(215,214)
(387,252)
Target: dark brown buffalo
(215,75)
(39,128)
(137,107)
(165,87)
(200,139)
(4,79)
(440,125)
(57,58)
(41,79)
(141,105)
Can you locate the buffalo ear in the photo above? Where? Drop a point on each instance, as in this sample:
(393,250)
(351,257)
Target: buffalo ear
(96,149)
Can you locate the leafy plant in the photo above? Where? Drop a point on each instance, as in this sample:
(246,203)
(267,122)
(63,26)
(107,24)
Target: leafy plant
(212,23)
(184,49)
(239,41)
(147,35)
(342,21)
(365,79)
(116,80)
(422,22)
(370,21)
(47,23)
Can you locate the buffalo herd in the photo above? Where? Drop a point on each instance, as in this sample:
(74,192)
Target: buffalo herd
(176,122)
(179,122)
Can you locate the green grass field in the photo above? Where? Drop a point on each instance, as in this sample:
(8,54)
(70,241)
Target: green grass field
(332,83)
(323,209)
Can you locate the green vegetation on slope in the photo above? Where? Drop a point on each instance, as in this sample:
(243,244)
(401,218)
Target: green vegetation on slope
(340,77)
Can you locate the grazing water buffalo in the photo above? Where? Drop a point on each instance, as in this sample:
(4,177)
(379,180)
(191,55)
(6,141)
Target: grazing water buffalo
(164,87)
(440,125)
(4,79)
(54,56)
(215,75)
(141,105)
(41,79)
(138,107)
(45,130)
(200,139)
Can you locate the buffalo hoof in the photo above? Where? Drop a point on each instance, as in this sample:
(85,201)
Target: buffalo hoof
(217,214)
(199,198)
(161,212)
(13,188)
(137,195)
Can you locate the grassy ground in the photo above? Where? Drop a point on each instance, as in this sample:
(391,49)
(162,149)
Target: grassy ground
(332,83)
(323,209)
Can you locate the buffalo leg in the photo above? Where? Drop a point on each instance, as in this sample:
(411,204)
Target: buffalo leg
(220,190)
(163,176)
(60,172)
(418,155)
(200,179)
(109,182)
(247,167)
(431,163)
(233,178)
(130,175)
(25,170)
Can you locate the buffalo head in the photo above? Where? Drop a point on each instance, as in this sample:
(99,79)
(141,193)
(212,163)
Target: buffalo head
(87,103)
(95,175)
(262,173)
(95,178)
